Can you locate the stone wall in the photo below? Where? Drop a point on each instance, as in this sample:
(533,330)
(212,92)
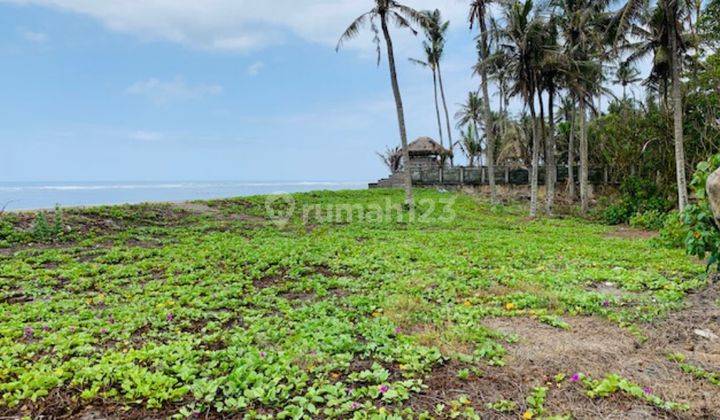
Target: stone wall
(476,176)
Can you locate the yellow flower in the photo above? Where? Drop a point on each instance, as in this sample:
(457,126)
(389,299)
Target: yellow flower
(467,304)
(528,415)
(376,314)
(510,306)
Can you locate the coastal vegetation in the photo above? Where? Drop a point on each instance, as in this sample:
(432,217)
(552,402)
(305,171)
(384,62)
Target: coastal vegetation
(214,309)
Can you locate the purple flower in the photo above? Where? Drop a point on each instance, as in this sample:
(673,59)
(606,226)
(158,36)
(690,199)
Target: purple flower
(575,378)
(397,330)
(46,328)
(355,406)
(104,331)
(647,390)
(383,389)
(28,332)
(263,354)
(606,304)
(170,317)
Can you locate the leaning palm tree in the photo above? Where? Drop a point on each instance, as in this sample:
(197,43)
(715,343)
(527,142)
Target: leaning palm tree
(436,29)
(478,14)
(390,11)
(524,35)
(430,62)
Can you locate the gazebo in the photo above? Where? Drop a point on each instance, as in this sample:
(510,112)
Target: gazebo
(427,154)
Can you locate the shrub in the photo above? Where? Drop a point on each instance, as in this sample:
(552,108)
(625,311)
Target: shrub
(638,196)
(674,232)
(703,239)
(649,220)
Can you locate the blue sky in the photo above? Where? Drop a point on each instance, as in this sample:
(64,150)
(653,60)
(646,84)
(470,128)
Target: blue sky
(206,90)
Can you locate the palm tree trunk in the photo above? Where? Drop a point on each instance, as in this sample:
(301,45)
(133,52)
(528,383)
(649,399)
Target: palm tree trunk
(584,193)
(535,157)
(400,113)
(571,158)
(451,146)
(487,114)
(437,108)
(550,166)
(678,119)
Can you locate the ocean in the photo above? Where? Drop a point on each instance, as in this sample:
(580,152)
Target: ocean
(44,195)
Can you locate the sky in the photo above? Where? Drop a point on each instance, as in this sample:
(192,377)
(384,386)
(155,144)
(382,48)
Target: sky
(151,90)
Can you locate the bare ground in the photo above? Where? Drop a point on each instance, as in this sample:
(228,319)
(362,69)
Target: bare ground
(595,347)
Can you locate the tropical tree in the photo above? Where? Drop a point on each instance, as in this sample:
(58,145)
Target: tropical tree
(551,71)
(626,75)
(524,35)
(568,111)
(580,23)
(390,11)
(470,143)
(478,14)
(430,62)
(669,20)
(470,112)
(436,29)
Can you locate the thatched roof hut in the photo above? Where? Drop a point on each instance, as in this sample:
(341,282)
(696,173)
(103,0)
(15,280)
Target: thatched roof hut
(425,146)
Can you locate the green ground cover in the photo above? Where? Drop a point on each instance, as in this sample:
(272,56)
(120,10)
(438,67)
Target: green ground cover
(210,309)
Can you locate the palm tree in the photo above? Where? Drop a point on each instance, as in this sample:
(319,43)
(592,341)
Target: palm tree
(625,76)
(430,63)
(436,29)
(569,113)
(581,25)
(550,73)
(478,14)
(470,144)
(403,16)
(470,113)
(524,34)
(669,19)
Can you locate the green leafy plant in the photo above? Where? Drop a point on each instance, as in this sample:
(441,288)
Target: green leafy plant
(703,239)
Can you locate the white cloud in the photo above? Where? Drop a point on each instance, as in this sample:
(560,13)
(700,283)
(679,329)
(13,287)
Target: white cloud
(161,92)
(254,69)
(238,25)
(35,37)
(147,136)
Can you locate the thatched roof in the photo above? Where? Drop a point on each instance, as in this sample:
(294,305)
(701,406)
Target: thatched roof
(425,146)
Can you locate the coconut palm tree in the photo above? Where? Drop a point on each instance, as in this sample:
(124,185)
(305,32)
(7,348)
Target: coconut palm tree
(435,30)
(626,75)
(478,14)
(524,35)
(470,144)
(580,23)
(569,112)
(669,20)
(550,76)
(430,62)
(470,112)
(390,11)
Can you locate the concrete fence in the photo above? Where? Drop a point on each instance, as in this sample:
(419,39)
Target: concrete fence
(461,175)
